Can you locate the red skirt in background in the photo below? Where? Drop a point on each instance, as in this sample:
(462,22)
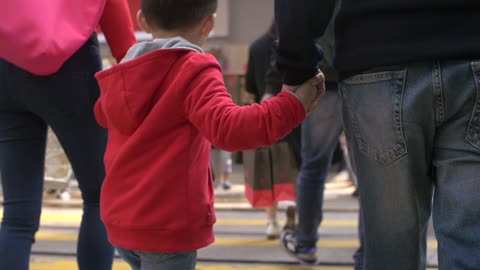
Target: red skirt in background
(270,174)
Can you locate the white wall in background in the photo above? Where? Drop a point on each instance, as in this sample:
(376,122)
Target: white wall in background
(248,19)
(222,28)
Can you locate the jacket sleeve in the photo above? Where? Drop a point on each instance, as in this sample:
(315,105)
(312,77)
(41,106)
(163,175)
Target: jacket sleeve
(300,22)
(116,23)
(209,107)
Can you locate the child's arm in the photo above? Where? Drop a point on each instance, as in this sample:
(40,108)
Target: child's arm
(233,128)
(117,25)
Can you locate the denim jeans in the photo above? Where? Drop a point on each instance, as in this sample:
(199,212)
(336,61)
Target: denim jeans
(139,260)
(359,255)
(64,101)
(320,134)
(413,132)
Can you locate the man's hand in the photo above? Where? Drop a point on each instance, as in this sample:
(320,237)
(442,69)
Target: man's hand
(309,92)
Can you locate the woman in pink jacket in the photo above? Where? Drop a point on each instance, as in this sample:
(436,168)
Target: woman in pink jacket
(49,54)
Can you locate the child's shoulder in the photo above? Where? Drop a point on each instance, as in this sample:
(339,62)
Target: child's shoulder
(201,60)
(194,64)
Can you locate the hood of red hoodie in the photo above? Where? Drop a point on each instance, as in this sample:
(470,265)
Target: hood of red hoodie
(129,89)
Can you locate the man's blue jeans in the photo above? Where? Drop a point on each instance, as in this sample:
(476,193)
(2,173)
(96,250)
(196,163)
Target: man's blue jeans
(139,260)
(320,134)
(412,131)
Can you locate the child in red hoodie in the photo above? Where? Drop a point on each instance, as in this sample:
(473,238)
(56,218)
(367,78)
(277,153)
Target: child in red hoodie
(163,106)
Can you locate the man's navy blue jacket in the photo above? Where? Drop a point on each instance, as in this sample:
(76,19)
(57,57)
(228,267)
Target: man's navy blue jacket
(375,33)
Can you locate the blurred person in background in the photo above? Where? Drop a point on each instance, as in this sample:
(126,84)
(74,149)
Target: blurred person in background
(264,81)
(321,137)
(221,162)
(54,86)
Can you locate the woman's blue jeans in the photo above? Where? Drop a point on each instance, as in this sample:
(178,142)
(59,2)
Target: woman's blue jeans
(64,101)
(414,132)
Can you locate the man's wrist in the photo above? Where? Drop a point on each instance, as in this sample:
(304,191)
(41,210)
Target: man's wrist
(299,77)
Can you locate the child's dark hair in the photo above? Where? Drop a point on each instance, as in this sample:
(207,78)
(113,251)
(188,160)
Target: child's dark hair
(177,14)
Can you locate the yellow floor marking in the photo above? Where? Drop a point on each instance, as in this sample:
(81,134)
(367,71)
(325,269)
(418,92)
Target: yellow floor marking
(263,222)
(76,218)
(45,264)
(50,264)
(70,217)
(229,241)
(72,265)
(258,242)
(56,236)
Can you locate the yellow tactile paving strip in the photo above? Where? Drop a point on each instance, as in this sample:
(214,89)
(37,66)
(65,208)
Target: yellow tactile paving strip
(75,218)
(227,241)
(71,265)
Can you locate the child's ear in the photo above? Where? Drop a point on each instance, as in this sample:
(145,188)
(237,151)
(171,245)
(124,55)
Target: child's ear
(208,25)
(142,22)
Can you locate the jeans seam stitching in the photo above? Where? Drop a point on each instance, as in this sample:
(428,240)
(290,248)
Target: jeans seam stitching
(473,128)
(438,90)
(375,77)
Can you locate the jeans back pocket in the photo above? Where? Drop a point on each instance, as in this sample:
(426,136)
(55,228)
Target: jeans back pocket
(374,105)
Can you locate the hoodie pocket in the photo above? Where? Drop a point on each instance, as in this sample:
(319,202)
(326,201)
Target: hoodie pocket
(212,217)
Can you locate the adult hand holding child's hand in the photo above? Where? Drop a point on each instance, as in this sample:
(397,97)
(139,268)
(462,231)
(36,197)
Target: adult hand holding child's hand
(309,92)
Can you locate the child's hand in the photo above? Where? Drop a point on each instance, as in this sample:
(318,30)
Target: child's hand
(309,92)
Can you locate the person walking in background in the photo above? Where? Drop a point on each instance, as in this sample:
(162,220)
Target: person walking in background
(54,86)
(259,61)
(221,162)
(158,208)
(265,86)
(321,133)
(411,115)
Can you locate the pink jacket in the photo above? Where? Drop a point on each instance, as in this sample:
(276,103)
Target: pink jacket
(39,36)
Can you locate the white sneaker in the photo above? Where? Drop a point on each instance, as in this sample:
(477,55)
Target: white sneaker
(273,231)
(65,196)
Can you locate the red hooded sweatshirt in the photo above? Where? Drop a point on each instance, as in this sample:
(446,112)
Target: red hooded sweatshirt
(163,107)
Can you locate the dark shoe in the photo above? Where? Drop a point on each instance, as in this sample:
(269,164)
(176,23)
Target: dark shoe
(305,255)
(226,185)
(355,193)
